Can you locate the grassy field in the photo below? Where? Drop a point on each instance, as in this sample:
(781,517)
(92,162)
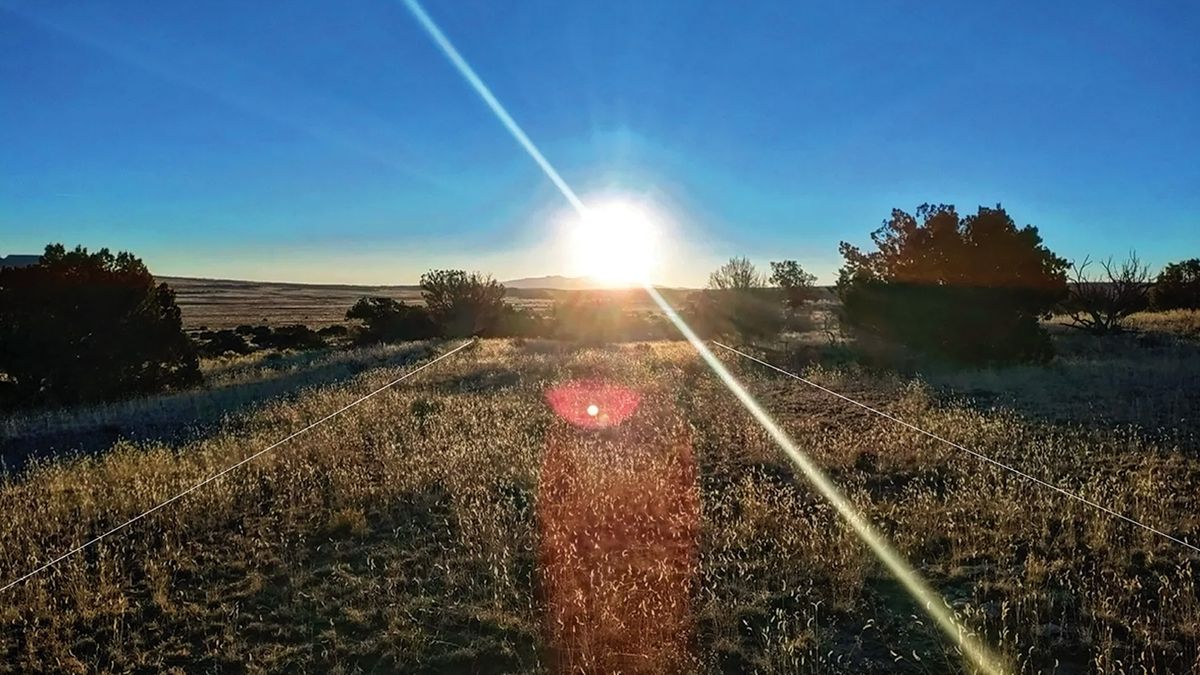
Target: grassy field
(232,385)
(451,525)
(218,303)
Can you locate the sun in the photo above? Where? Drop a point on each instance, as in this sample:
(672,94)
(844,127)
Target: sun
(615,244)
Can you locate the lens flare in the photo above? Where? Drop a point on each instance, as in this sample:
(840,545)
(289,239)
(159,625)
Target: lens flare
(929,600)
(618,516)
(593,404)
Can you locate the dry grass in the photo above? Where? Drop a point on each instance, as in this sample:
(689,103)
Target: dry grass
(231,385)
(1185,322)
(1145,381)
(220,303)
(410,534)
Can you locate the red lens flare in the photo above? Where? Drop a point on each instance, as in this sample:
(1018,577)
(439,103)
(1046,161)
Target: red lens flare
(618,519)
(593,404)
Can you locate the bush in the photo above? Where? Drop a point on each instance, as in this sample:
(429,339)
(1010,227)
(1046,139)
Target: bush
(386,320)
(737,304)
(219,343)
(745,314)
(603,317)
(81,327)
(968,289)
(295,336)
(1178,286)
(517,322)
(1101,306)
(462,304)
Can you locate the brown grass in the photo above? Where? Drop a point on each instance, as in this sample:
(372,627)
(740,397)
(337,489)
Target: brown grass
(404,534)
(1185,322)
(232,384)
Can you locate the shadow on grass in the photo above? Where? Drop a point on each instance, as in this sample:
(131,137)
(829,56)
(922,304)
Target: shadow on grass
(182,416)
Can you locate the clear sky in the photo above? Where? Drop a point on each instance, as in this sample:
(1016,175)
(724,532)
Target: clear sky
(319,141)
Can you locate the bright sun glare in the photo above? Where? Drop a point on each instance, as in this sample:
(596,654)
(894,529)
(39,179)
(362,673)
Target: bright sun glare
(615,244)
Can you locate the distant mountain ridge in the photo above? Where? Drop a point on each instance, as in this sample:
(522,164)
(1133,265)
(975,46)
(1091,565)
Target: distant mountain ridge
(554,282)
(19,260)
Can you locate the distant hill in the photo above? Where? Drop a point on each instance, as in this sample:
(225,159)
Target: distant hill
(554,283)
(17,260)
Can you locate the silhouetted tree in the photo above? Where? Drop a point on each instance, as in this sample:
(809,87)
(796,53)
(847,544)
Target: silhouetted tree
(80,327)
(1102,304)
(737,274)
(971,289)
(386,320)
(1178,286)
(796,284)
(462,304)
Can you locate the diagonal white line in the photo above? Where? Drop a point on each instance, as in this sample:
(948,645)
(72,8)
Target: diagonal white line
(978,455)
(228,469)
(492,102)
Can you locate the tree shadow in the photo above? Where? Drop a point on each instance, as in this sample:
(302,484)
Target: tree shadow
(182,416)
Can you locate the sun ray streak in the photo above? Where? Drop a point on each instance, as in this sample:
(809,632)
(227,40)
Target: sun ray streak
(930,601)
(492,102)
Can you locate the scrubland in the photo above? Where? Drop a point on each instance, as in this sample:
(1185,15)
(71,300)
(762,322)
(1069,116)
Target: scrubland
(436,528)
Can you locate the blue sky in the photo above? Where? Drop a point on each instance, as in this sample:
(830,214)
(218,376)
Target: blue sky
(315,141)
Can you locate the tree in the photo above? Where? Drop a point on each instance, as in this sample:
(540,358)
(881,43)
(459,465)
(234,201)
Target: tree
(737,274)
(386,320)
(797,285)
(1100,306)
(462,304)
(80,327)
(738,303)
(1178,286)
(970,289)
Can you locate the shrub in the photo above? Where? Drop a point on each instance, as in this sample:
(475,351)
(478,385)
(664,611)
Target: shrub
(334,331)
(80,327)
(517,322)
(747,314)
(462,304)
(738,303)
(1178,286)
(968,289)
(386,320)
(295,336)
(218,343)
(1101,306)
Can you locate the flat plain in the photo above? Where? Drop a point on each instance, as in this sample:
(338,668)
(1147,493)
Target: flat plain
(417,532)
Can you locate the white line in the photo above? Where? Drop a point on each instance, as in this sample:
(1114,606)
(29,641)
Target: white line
(217,475)
(973,453)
